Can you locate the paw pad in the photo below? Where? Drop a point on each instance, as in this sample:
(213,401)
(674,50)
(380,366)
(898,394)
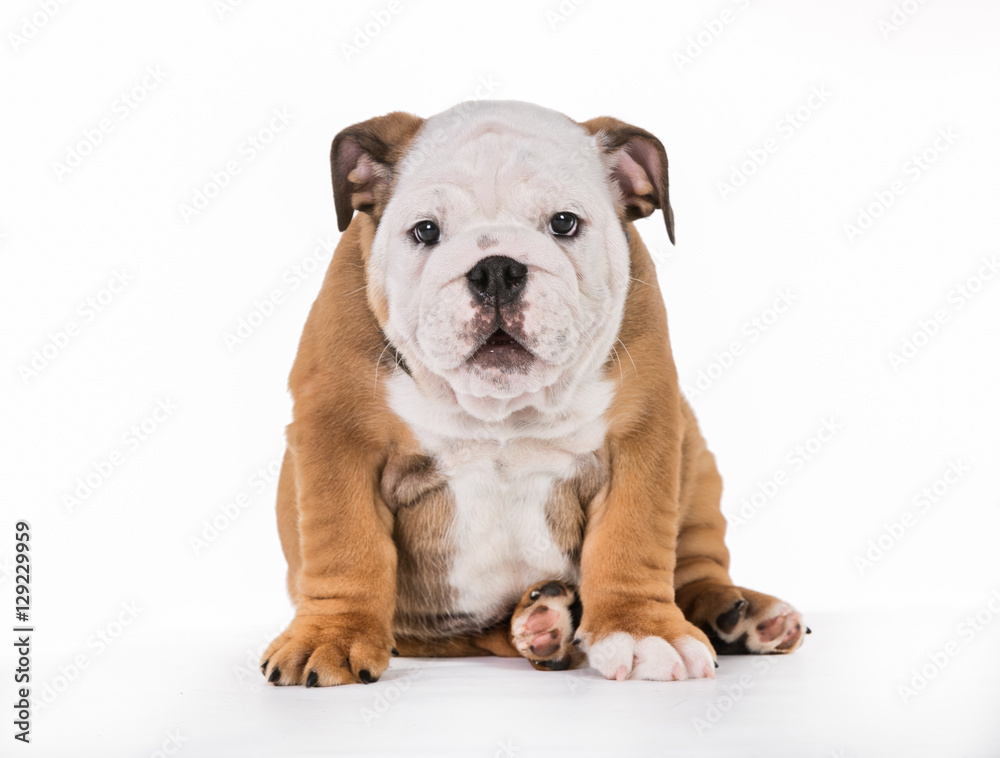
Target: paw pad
(543,624)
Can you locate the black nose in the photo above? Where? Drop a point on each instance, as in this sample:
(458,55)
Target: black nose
(497,280)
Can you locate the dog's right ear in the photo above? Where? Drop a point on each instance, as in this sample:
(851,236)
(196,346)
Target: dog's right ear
(363,159)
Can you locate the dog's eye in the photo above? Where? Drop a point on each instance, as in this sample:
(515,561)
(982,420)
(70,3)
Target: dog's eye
(563,224)
(427,232)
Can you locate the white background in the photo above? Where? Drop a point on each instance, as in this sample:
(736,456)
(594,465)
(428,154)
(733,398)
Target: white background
(715,81)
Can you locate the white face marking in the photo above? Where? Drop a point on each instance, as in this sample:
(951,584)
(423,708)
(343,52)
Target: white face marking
(491,175)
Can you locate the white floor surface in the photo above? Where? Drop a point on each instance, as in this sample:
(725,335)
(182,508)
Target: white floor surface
(200,694)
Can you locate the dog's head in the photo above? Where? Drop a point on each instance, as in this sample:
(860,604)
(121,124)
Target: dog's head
(500,264)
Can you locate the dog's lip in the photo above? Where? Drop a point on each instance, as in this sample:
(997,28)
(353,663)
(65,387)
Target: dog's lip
(501,348)
(500,338)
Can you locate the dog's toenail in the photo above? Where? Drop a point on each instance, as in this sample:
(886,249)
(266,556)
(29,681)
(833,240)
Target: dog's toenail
(275,675)
(716,664)
(808,630)
(365,676)
(263,666)
(395,652)
(312,680)
(558,664)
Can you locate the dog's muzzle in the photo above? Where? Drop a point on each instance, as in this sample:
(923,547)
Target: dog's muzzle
(496,284)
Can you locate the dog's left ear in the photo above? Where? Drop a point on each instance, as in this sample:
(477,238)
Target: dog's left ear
(638,167)
(363,159)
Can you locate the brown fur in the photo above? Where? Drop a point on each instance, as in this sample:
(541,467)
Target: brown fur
(359,503)
(651,156)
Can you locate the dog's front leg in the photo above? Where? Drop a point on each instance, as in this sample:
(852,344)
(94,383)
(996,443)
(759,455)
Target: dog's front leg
(346,582)
(631,626)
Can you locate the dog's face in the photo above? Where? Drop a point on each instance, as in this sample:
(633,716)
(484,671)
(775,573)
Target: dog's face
(500,263)
(501,254)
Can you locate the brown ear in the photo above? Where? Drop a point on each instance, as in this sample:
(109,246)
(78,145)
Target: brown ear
(639,167)
(363,158)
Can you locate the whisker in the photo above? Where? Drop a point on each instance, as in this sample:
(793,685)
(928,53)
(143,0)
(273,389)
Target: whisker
(377,363)
(629,356)
(621,376)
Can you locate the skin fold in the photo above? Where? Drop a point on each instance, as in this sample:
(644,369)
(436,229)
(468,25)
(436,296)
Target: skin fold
(367,505)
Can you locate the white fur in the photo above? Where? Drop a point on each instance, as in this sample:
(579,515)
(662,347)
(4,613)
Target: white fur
(612,656)
(698,660)
(500,170)
(501,475)
(502,541)
(491,175)
(658,661)
(621,656)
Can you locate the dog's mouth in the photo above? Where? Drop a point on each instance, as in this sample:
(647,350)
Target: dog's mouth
(502,351)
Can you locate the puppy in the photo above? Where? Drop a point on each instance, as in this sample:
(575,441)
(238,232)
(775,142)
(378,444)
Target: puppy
(489,452)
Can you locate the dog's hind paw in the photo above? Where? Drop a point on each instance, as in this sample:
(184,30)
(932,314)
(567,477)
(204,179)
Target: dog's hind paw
(543,624)
(743,621)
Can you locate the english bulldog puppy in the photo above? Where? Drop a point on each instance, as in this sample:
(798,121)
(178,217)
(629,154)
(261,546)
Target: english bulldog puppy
(489,452)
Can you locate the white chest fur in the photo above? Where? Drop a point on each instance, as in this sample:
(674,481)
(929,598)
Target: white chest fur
(501,476)
(501,537)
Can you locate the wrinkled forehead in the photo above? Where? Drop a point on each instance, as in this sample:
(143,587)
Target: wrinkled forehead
(488,147)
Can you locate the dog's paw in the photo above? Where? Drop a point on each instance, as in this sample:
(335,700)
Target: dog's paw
(321,651)
(751,622)
(621,656)
(659,645)
(543,624)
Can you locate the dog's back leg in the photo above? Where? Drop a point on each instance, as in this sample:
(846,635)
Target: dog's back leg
(736,620)
(540,629)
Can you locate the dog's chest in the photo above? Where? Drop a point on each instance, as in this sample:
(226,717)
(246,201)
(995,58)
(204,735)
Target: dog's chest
(505,513)
(502,535)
